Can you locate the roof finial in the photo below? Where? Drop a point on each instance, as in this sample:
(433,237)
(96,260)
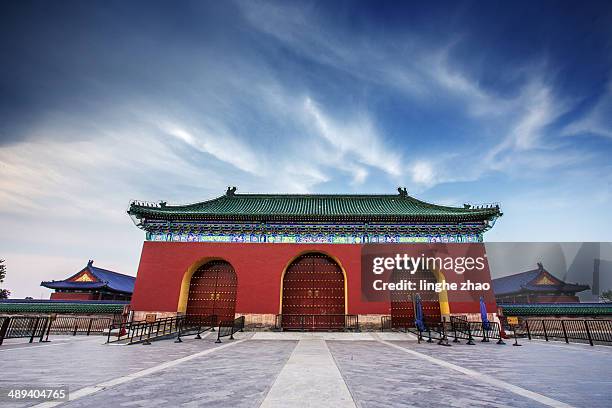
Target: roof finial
(90,262)
(402,191)
(230,191)
(540,266)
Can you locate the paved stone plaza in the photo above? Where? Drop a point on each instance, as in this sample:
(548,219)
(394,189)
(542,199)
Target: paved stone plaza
(310,370)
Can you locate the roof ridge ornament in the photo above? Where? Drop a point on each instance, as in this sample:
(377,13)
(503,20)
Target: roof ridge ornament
(230,191)
(90,262)
(402,191)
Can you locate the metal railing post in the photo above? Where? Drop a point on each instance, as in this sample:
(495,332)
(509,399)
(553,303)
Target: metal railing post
(485,339)
(515,338)
(470,338)
(48,330)
(44,328)
(443,338)
(34,331)
(4,328)
(147,342)
(219,334)
(586,324)
(179,327)
(110,328)
(500,341)
(527,327)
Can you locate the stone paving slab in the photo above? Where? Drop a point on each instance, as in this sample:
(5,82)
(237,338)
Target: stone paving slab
(380,376)
(24,342)
(309,379)
(239,376)
(86,362)
(375,367)
(576,374)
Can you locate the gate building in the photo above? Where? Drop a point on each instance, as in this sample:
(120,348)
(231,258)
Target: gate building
(292,255)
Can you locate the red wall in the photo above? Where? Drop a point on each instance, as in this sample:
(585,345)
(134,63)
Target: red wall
(259,268)
(73,296)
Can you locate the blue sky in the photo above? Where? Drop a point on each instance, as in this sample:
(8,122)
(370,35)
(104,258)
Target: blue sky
(103,102)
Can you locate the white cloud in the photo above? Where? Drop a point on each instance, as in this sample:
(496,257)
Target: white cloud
(525,145)
(355,136)
(219,144)
(422,172)
(597,121)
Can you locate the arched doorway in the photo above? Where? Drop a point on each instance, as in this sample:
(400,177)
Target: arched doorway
(402,302)
(313,293)
(212,292)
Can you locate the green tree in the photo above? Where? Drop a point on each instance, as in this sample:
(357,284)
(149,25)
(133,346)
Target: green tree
(606,296)
(4,293)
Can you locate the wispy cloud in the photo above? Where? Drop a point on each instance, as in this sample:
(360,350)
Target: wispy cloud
(424,71)
(219,144)
(598,120)
(355,136)
(537,108)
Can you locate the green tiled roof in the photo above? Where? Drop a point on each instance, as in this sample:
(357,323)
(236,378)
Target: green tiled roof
(561,309)
(60,307)
(314,207)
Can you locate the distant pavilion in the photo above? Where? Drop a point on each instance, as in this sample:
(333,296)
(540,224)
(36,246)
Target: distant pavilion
(535,286)
(93,283)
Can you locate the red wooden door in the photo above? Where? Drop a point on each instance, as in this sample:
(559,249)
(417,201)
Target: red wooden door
(212,292)
(402,305)
(430,299)
(402,302)
(313,293)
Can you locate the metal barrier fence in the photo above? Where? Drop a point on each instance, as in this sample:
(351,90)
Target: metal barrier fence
(79,325)
(144,331)
(197,325)
(468,330)
(593,331)
(305,322)
(431,330)
(386,323)
(23,327)
(229,328)
(458,327)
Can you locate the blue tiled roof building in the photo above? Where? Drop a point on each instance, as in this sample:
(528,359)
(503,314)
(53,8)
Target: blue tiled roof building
(93,283)
(535,286)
